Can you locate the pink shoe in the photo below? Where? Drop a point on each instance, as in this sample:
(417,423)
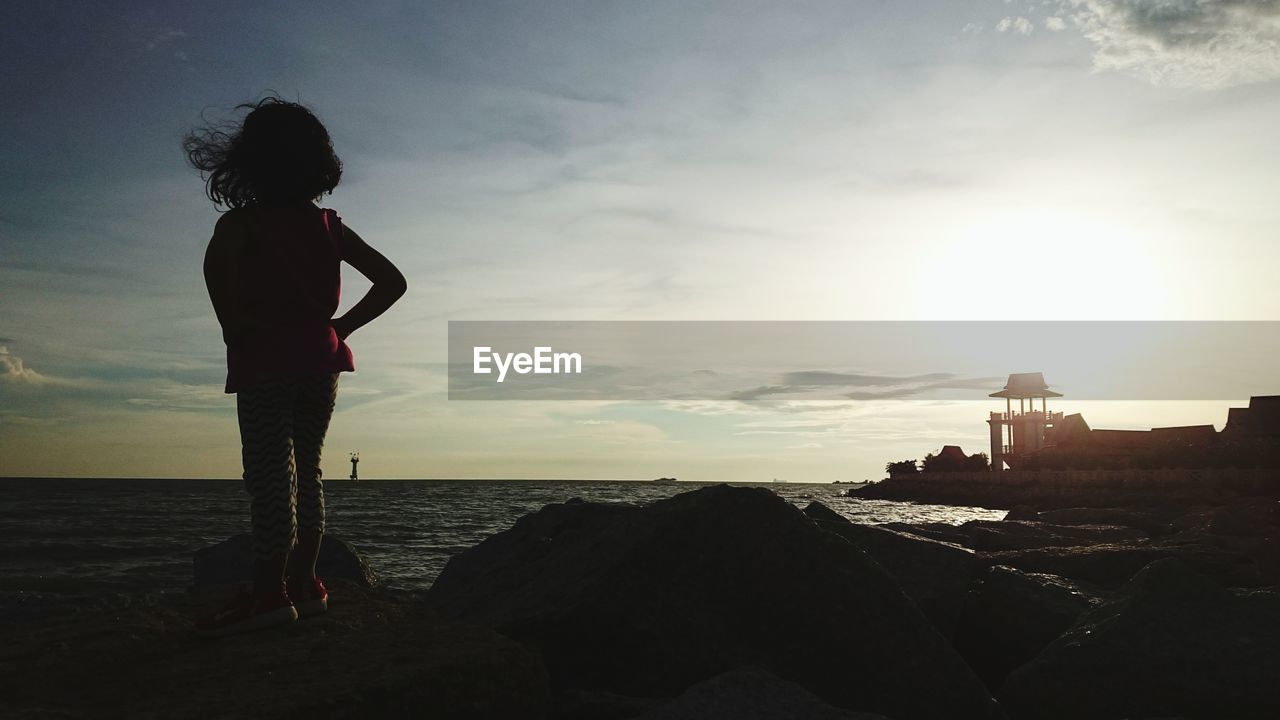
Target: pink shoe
(249,611)
(310,596)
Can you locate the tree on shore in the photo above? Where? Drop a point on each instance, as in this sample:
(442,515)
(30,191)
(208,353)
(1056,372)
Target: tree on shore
(901,467)
(977,462)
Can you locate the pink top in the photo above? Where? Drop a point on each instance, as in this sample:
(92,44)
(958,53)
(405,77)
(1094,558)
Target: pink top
(289,282)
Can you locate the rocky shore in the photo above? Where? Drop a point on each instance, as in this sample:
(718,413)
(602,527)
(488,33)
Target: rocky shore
(377,654)
(723,602)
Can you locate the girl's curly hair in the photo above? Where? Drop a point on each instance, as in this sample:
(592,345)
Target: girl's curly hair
(279,154)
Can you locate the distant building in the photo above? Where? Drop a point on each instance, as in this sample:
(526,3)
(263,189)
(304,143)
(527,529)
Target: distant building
(1260,420)
(1019,435)
(953,459)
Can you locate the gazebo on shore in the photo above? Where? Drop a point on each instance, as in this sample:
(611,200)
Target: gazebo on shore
(1018,433)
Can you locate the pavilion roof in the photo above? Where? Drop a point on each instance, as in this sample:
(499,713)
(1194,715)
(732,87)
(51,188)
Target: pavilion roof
(1026,385)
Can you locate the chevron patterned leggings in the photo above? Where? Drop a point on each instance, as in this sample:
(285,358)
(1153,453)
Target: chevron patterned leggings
(282,427)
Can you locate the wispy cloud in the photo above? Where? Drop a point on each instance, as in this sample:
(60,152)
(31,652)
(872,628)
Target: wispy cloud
(171,395)
(15,371)
(1016,24)
(826,378)
(164,37)
(835,425)
(1183,43)
(883,387)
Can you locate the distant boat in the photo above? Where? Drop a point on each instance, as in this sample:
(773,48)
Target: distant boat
(664,481)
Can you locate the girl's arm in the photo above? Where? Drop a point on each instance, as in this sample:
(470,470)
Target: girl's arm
(388,284)
(221,274)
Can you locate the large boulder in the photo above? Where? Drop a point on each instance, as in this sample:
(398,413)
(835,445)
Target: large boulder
(936,575)
(229,562)
(750,694)
(647,601)
(1171,643)
(1011,616)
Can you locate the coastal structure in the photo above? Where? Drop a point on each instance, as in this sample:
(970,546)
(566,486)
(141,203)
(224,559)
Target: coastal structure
(951,458)
(1031,437)
(1049,459)
(1260,420)
(1016,434)
(952,454)
(355,460)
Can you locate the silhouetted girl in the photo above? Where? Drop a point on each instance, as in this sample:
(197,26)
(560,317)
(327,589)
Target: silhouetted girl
(272,271)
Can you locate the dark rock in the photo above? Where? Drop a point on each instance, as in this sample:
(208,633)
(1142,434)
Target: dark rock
(228,562)
(1011,616)
(647,601)
(1248,531)
(1110,565)
(936,575)
(1257,518)
(599,705)
(750,694)
(1150,522)
(374,655)
(942,532)
(1022,512)
(1172,643)
(1021,535)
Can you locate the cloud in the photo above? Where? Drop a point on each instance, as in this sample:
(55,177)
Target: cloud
(164,394)
(1205,44)
(823,377)
(892,394)
(807,381)
(163,37)
(1055,24)
(15,371)
(884,387)
(1018,24)
(898,393)
(758,393)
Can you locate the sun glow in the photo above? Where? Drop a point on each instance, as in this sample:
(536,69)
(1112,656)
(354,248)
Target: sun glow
(1045,264)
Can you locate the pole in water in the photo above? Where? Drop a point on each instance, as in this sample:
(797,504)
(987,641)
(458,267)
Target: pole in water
(355,460)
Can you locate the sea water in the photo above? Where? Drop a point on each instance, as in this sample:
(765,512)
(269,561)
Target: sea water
(76,536)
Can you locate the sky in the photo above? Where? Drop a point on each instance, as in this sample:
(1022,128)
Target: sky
(935,160)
